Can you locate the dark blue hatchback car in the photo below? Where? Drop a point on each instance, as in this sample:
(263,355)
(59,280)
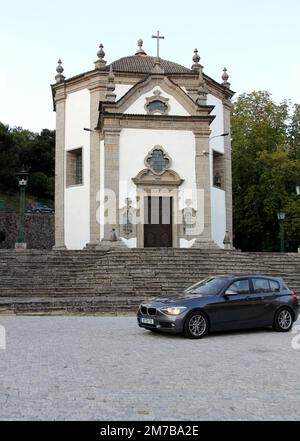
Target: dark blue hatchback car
(222,303)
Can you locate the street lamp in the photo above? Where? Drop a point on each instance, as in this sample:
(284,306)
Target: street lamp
(281,217)
(218,136)
(22,177)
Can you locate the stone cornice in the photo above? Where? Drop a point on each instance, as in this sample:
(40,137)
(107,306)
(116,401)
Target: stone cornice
(188,80)
(165,122)
(168,178)
(145,86)
(58,94)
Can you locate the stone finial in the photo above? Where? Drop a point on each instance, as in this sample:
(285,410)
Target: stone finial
(202,92)
(110,88)
(196,59)
(157,68)
(100,54)
(113,235)
(140,50)
(227,241)
(225,78)
(59,69)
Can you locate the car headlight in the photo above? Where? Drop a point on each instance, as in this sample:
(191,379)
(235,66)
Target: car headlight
(175,310)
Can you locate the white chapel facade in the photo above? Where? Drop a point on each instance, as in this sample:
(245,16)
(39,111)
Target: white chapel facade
(143,155)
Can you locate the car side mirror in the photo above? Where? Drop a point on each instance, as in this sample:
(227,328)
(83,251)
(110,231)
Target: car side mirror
(230,292)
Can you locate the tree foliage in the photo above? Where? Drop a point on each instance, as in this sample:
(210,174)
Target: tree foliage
(35,151)
(266,169)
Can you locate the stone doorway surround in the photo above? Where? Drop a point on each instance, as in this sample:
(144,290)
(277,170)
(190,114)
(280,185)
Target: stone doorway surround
(164,185)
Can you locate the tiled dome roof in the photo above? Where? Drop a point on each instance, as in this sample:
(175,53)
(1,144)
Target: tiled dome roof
(144,64)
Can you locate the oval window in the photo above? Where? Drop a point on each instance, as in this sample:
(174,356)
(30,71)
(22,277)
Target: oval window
(157,106)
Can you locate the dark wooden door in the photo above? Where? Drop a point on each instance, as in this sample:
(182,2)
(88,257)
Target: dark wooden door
(158,221)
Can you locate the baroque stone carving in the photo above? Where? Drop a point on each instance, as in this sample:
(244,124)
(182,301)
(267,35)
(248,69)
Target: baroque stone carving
(128,220)
(157,104)
(169,178)
(158,160)
(188,219)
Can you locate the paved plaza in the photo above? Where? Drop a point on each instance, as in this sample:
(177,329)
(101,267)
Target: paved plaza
(106,368)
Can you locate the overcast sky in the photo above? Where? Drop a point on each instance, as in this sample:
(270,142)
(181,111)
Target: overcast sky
(257,40)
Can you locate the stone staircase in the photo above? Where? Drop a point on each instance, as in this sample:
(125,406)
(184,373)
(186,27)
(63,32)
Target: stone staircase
(117,281)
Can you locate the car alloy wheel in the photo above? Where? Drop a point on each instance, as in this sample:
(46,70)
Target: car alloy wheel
(283,320)
(196,325)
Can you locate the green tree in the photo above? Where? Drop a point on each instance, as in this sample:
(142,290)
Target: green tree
(294,132)
(265,171)
(9,158)
(33,150)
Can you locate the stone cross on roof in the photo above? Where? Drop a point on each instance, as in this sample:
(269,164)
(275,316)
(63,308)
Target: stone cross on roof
(158,37)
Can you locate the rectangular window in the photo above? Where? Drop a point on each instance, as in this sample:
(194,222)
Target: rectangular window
(218,170)
(261,285)
(74,167)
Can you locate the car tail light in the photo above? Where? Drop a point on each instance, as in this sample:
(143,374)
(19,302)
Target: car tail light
(294,296)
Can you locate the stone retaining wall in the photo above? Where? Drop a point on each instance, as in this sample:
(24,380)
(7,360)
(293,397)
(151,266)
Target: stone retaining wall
(39,230)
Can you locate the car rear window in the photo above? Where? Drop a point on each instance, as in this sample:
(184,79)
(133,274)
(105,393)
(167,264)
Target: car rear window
(274,285)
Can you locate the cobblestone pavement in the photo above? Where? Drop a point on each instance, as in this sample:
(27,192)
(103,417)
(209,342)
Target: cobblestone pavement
(106,368)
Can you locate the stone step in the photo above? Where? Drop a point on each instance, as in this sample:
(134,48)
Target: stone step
(75,281)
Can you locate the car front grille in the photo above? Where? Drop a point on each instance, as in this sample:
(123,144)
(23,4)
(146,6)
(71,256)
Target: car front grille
(148,311)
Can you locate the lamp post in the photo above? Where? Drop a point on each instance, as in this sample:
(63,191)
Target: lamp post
(281,217)
(219,136)
(22,177)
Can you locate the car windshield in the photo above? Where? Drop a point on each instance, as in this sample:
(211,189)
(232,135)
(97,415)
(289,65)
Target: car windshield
(211,285)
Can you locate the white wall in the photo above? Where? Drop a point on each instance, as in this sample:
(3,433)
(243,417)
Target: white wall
(121,89)
(218,215)
(135,144)
(77,200)
(217,126)
(138,106)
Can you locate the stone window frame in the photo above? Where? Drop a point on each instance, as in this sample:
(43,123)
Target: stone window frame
(165,154)
(220,155)
(157,97)
(71,178)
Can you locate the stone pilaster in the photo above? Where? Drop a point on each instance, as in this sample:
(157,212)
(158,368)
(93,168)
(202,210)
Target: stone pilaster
(111,181)
(60,103)
(228,171)
(97,92)
(203,184)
